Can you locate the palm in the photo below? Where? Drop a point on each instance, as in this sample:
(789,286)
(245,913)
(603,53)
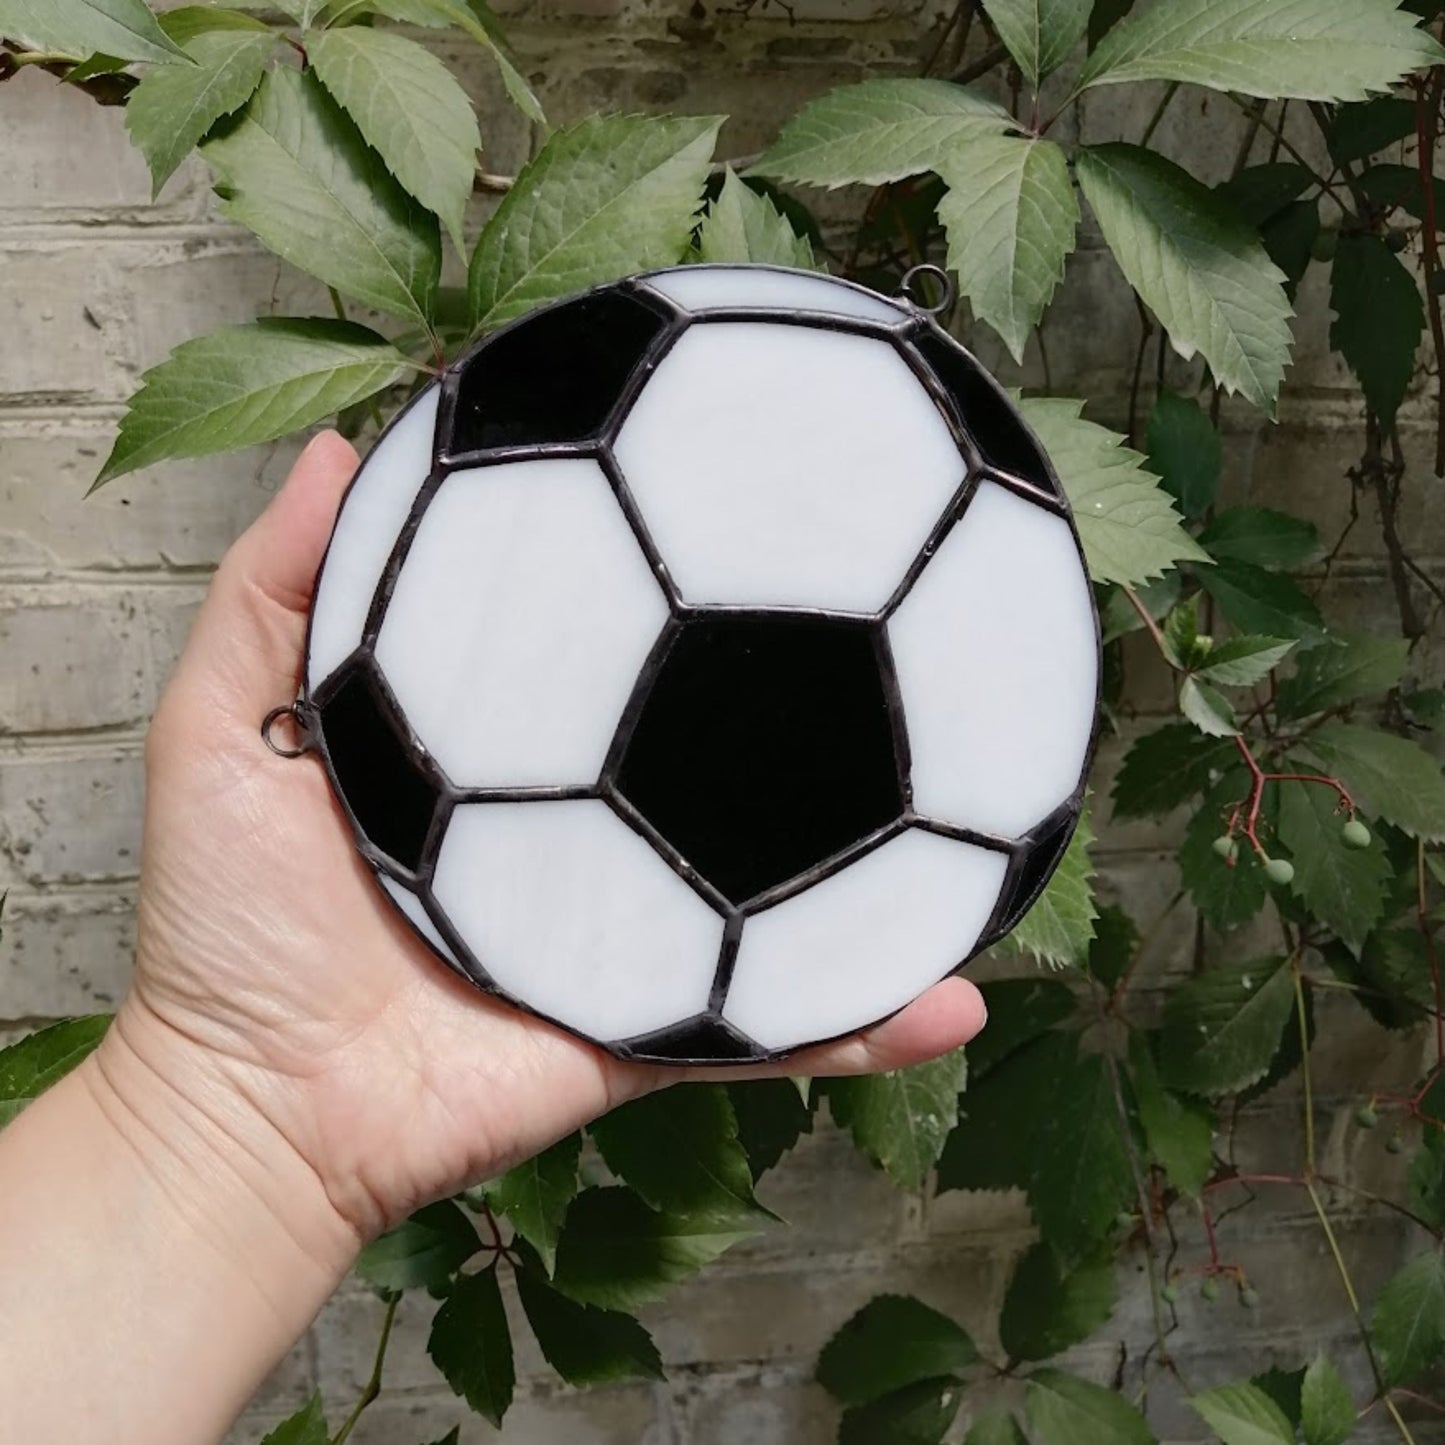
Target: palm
(263,937)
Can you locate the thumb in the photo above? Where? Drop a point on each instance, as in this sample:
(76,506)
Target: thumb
(245,648)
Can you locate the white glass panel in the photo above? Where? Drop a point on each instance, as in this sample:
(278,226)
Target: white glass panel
(518,624)
(997,663)
(704,288)
(864,942)
(411,905)
(375,510)
(572,912)
(787,466)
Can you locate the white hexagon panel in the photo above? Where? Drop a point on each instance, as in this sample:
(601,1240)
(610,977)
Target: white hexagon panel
(517,624)
(823,497)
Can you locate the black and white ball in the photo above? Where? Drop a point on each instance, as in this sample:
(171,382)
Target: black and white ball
(707,662)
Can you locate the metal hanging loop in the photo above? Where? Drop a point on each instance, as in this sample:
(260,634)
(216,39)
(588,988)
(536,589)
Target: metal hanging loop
(300,715)
(908,287)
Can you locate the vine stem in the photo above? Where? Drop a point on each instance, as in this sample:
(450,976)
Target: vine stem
(1427,98)
(373,1385)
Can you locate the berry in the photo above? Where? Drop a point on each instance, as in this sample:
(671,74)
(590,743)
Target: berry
(1170,1294)
(1124,1220)
(1249,1298)
(1355,835)
(1209,1290)
(1395,1144)
(1366,1117)
(1322,248)
(1279,870)
(1225,846)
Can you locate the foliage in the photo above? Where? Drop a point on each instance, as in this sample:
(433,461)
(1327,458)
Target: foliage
(1298,760)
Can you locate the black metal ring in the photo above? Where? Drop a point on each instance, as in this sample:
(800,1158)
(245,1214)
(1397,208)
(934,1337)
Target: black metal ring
(936,274)
(298,716)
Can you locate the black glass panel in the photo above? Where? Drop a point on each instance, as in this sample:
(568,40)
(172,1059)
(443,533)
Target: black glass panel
(695,1039)
(986,412)
(764,747)
(392,798)
(554,377)
(1038,864)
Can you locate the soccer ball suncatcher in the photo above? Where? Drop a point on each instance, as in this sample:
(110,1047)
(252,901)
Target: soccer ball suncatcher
(707,662)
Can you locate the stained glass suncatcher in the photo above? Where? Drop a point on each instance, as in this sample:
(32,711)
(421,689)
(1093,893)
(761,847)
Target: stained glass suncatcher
(707,662)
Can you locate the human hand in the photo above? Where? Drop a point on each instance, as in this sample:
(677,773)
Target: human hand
(276,990)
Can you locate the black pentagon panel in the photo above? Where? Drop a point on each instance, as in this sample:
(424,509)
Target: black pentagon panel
(555,377)
(1031,870)
(765,745)
(390,795)
(985,412)
(694,1041)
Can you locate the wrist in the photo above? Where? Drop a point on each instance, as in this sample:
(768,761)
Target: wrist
(197,1125)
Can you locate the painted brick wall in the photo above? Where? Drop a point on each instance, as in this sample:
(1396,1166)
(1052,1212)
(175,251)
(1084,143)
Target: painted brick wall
(98,282)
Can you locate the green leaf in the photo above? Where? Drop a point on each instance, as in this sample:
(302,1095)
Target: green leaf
(1179,1132)
(1426,1179)
(247,384)
(1408,1325)
(1048,1308)
(1225,896)
(410,109)
(1065,1410)
(175,105)
(1260,537)
(918,1414)
(1324,50)
(1290,239)
(1080,1175)
(1019,1010)
(1379,318)
(1399,186)
(901,1119)
(1326,1408)
(1039,34)
(1106,15)
(1390,777)
(1202,270)
(1127,522)
(1343,887)
(1244,661)
(306,1427)
(893,1341)
(607,197)
(1222,1027)
(471,1344)
(1011,216)
(771,1116)
(1261,192)
(997,1427)
(618,1253)
(1116,942)
(189,21)
(534,1196)
(1391,976)
(584,1344)
(880,131)
(30,1067)
(1266,603)
(1166,768)
(1360,131)
(125,29)
(993,1146)
(741,225)
(1242,1414)
(678,1148)
(452,1437)
(1058,927)
(423,1252)
(1210,711)
(294,169)
(1283,1387)
(1185,450)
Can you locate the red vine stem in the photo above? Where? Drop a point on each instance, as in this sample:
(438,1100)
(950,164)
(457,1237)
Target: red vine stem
(1251,805)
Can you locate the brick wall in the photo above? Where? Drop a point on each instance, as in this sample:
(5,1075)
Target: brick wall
(98,282)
